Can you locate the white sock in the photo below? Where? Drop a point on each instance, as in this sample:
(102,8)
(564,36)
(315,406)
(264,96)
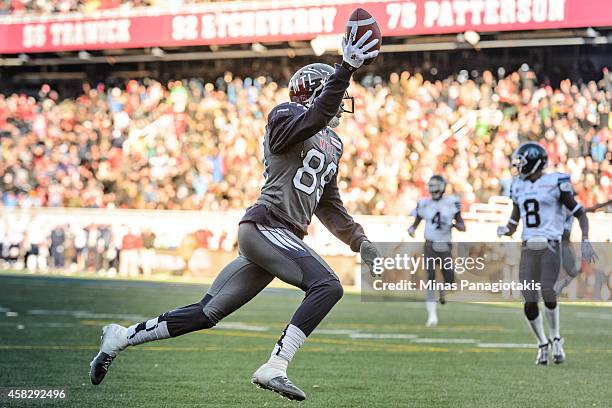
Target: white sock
(290,341)
(279,363)
(431,309)
(537,327)
(552,315)
(151,330)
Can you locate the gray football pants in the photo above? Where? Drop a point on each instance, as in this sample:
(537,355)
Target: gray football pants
(541,266)
(264,253)
(432,255)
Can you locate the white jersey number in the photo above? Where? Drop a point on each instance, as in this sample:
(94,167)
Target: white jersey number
(310,184)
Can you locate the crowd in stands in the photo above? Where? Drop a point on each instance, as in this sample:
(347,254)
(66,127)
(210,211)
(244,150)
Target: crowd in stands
(188,144)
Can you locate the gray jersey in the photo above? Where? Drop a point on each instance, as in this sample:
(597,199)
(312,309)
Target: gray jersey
(301,155)
(296,177)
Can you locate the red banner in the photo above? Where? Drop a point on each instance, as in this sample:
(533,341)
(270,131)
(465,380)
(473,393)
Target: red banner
(231,23)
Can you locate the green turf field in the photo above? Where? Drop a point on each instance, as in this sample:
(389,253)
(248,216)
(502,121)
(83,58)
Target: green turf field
(49,330)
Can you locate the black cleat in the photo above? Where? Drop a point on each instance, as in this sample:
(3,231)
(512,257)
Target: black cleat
(442,298)
(283,386)
(99,367)
(113,340)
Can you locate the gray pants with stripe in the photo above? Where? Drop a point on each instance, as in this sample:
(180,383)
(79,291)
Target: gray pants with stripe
(264,253)
(541,266)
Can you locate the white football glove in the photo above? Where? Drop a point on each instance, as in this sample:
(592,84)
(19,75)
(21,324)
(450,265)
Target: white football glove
(369,253)
(354,54)
(411,231)
(588,253)
(503,230)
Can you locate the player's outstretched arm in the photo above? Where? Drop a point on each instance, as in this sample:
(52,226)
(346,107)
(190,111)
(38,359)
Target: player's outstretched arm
(510,228)
(568,200)
(598,207)
(286,127)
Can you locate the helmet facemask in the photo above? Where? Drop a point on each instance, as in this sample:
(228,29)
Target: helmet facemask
(334,122)
(524,169)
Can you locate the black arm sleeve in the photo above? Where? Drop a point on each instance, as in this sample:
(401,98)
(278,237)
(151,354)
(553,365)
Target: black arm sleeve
(289,129)
(336,219)
(569,201)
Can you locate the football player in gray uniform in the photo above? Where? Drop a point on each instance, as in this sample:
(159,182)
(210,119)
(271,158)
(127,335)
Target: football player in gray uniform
(301,155)
(441,215)
(538,201)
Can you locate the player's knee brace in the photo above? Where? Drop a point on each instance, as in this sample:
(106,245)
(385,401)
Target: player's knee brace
(550,305)
(188,319)
(531,310)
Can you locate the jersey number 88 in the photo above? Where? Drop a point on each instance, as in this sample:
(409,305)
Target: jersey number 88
(309,184)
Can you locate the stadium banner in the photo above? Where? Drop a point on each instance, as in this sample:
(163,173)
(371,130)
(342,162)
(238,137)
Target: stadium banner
(247,22)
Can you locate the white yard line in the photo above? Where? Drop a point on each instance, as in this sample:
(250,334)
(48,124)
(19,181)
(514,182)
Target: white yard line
(506,345)
(83,314)
(445,341)
(382,336)
(241,326)
(602,316)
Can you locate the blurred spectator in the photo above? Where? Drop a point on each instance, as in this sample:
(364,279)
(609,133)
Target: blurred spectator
(147,254)
(58,239)
(130,254)
(36,248)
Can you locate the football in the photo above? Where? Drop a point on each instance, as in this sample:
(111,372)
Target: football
(364,22)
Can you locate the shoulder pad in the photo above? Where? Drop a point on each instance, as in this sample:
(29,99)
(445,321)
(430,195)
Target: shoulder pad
(285,109)
(456,202)
(566,187)
(562,177)
(564,182)
(513,185)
